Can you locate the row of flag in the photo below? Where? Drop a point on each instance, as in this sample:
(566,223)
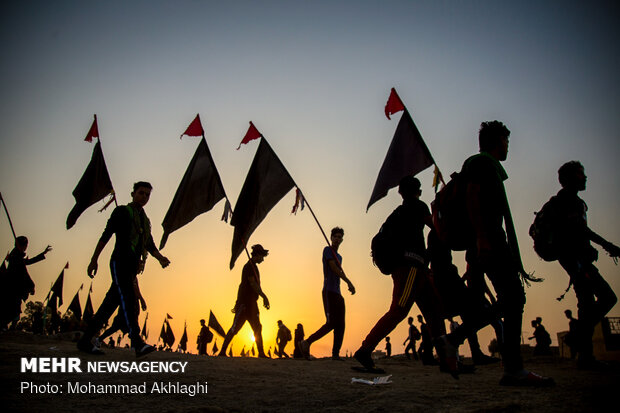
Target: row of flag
(266,183)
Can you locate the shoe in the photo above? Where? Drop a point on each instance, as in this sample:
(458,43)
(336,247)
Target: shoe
(448,356)
(483,360)
(87,347)
(526,379)
(365,359)
(143,350)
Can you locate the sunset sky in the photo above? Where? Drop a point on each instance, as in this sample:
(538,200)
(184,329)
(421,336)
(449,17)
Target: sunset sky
(314,78)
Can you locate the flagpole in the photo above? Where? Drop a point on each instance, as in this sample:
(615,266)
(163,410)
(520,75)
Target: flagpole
(99,137)
(322,232)
(7,215)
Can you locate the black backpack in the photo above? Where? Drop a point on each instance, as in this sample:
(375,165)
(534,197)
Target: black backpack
(384,250)
(544,232)
(449,214)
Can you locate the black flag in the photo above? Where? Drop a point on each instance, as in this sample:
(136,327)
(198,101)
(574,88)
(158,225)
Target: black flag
(75,306)
(200,189)
(183,341)
(56,290)
(88,310)
(94,185)
(407,155)
(266,183)
(215,325)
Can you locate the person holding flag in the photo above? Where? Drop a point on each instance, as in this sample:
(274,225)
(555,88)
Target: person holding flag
(20,285)
(133,240)
(246,307)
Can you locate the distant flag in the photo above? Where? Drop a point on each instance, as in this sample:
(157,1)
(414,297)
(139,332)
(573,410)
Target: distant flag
(300,202)
(95,184)
(215,347)
(215,325)
(200,189)
(230,353)
(162,333)
(56,290)
(75,305)
(243,352)
(144,333)
(88,309)
(252,349)
(169,335)
(194,128)
(407,154)
(266,183)
(250,135)
(183,341)
(168,317)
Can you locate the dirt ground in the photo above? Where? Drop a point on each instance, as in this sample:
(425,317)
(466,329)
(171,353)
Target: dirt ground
(287,385)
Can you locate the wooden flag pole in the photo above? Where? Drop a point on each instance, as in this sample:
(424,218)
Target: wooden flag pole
(113,191)
(7,215)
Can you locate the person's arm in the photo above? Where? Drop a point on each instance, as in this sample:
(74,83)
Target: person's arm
(611,249)
(136,288)
(110,228)
(152,249)
(39,257)
(256,287)
(337,269)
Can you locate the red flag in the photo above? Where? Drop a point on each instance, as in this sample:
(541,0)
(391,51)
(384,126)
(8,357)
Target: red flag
(194,128)
(250,135)
(394,104)
(93,132)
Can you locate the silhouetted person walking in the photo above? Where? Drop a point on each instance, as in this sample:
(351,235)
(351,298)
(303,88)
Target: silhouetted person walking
(18,285)
(595,298)
(246,307)
(571,338)
(333,302)
(410,277)
(204,337)
(133,240)
(542,337)
(414,335)
(298,337)
(282,338)
(493,250)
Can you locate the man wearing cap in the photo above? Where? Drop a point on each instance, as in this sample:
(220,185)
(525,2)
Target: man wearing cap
(246,307)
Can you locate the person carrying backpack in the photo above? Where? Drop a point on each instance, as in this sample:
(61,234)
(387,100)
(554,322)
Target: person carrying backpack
(595,298)
(411,279)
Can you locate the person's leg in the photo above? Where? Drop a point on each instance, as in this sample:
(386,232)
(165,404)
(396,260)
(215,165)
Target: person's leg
(404,279)
(329,325)
(257,328)
(338,311)
(238,321)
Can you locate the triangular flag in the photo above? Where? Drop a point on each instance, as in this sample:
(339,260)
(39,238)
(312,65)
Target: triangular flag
(93,132)
(88,310)
(194,128)
(394,104)
(169,335)
(56,290)
(407,155)
(215,347)
(215,325)
(183,341)
(168,317)
(266,183)
(200,189)
(94,185)
(75,306)
(250,135)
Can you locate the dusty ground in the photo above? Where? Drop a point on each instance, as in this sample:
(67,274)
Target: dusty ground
(249,384)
